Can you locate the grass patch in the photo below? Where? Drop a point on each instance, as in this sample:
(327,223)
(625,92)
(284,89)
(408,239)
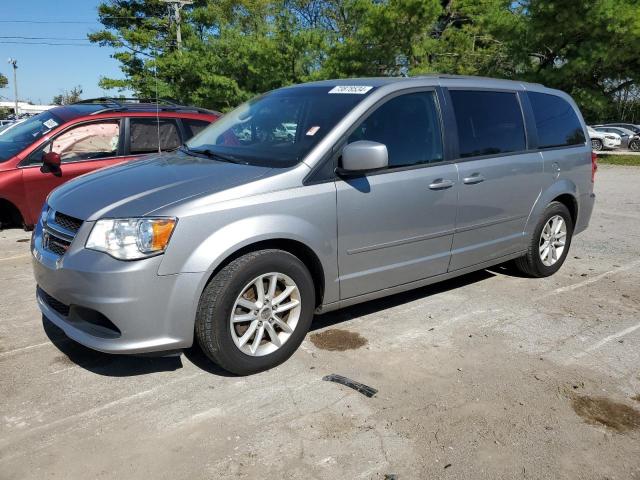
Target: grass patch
(633,160)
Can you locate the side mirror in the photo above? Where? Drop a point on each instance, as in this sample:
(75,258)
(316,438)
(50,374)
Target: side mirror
(52,160)
(362,156)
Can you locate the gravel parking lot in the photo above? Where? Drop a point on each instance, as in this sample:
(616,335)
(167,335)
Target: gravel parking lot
(487,376)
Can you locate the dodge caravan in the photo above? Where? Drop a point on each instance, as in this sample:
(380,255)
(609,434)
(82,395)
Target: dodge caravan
(238,238)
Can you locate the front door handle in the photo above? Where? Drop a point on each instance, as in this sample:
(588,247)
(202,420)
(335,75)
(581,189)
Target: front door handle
(475,178)
(441,184)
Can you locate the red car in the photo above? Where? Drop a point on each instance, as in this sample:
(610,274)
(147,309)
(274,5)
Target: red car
(44,151)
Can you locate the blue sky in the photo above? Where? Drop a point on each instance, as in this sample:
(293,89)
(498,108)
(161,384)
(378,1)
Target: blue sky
(44,70)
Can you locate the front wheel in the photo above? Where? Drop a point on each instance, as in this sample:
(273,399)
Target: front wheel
(255,312)
(634,145)
(596,144)
(550,242)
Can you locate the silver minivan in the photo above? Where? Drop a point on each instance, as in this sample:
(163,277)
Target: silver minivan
(308,199)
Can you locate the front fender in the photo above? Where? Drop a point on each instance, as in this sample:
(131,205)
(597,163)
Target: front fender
(235,236)
(244,232)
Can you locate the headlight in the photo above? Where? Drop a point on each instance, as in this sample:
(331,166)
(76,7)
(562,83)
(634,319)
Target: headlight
(131,238)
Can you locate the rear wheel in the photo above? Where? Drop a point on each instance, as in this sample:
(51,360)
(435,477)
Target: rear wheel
(634,145)
(596,144)
(550,242)
(255,312)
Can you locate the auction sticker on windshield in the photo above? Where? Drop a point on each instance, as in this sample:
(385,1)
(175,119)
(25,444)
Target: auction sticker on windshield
(51,123)
(353,89)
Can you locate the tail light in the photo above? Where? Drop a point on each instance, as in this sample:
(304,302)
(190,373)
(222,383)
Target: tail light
(594,166)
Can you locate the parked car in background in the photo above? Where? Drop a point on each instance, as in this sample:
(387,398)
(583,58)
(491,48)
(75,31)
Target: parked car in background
(48,149)
(629,126)
(8,124)
(629,138)
(239,237)
(603,141)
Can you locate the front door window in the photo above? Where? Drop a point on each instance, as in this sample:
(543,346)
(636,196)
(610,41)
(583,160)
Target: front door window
(88,141)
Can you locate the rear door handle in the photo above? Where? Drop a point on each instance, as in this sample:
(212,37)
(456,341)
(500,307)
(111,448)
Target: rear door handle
(441,184)
(475,178)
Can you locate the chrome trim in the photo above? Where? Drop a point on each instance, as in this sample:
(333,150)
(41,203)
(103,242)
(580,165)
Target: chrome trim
(54,233)
(58,232)
(51,224)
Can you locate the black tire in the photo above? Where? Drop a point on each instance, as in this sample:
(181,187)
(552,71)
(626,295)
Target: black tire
(212,326)
(596,144)
(634,145)
(531,264)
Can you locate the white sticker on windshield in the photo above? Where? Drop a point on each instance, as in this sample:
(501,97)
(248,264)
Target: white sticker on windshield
(353,89)
(51,123)
(312,131)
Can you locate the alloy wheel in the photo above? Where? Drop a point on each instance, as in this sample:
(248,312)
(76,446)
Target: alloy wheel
(553,240)
(265,314)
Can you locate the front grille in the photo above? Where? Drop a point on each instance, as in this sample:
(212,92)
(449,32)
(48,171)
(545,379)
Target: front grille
(54,243)
(56,305)
(67,222)
(58,231)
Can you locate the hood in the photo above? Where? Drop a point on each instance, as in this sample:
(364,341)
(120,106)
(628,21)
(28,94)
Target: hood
(137,188)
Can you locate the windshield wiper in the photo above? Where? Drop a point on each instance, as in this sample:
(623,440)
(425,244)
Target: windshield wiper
(213,155)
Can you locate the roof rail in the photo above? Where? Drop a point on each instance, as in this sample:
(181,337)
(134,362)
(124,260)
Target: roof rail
(121,101)
(129,103)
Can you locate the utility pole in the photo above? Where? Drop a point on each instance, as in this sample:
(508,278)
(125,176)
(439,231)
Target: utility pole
(14,64)
(177,6)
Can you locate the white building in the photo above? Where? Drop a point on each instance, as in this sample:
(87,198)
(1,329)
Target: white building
(24,107)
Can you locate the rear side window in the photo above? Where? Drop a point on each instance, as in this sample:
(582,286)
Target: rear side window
(145,133)
(556,121)
(488,122)
(410,128)
(193,127)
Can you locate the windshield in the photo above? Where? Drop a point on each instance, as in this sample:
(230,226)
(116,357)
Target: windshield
(19,136)
(280,128)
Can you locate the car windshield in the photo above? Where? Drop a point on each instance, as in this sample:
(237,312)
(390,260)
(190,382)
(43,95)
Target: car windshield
(19,136)
(279,128)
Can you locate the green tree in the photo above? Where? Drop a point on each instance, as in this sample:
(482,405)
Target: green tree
(589,48)
(470,37)
(370,38)
(231,51)
(3,81)
(67,97)
(235,49)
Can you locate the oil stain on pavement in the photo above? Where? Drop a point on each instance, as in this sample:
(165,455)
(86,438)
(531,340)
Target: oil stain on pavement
(602,411)
(338,340)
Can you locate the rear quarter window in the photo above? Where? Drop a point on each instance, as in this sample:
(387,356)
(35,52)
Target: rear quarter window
(193,127)
(556,121)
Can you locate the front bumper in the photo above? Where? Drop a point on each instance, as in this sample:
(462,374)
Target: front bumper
(609,143)
(114,306)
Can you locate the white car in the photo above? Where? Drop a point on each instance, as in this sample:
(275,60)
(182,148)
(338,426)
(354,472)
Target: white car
(603,140)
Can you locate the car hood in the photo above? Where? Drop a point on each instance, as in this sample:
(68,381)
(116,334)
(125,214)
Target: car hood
(139,187)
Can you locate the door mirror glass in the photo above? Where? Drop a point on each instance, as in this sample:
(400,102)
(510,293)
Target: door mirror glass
(364,155)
